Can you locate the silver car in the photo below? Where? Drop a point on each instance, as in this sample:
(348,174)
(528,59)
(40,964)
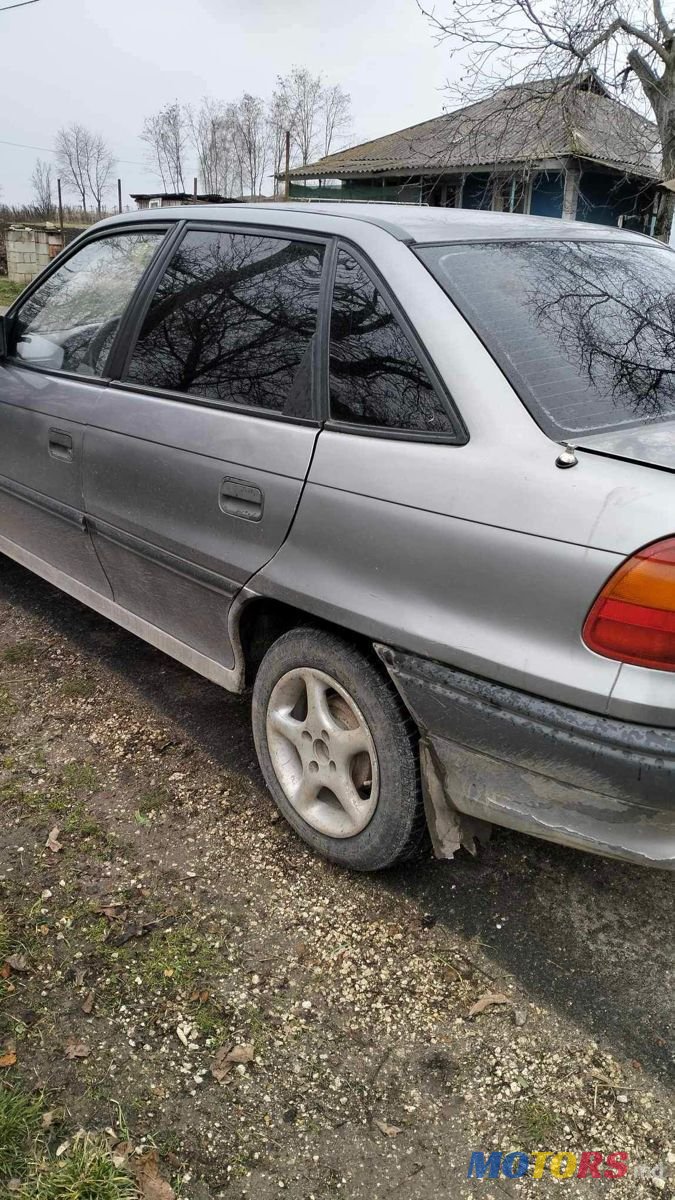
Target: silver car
(406,471)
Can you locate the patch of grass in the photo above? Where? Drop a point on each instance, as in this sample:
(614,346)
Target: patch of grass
(79,687)
(4,942)
(536,1123)
(20,1128)
(79,777)
(175,958)
(8,290)
(153,800)
(11,793)
(81,823)
(20,652)
(86,1172)
(7,705)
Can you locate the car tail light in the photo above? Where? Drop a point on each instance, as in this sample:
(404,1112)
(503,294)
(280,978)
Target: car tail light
(633,618)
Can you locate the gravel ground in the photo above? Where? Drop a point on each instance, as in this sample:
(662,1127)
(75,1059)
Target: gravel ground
(189,977)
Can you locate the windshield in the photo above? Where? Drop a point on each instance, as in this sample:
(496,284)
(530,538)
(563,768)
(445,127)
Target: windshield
(585,331)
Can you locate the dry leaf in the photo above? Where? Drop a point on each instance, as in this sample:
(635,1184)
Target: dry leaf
(77,1049)
(8,1060)
(48,1119)
(387,1130)
(14,1185)
(17,962)
(202,997)
(88,1002)
(5,971)
(487,1001)
(240,1054)
(150,1182)
(53,842)
(120,1154)
(112,912)
(221,1067)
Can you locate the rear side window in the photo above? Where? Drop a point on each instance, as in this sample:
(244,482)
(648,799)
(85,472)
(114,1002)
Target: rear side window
(69,322)
(585,331)
(376,378)
(233,320)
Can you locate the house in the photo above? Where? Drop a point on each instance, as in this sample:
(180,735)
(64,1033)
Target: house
(167,199)
(559,148)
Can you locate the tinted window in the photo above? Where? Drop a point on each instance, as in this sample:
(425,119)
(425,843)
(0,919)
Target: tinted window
(69,323)
(584,330)
(375,375)
(233,319)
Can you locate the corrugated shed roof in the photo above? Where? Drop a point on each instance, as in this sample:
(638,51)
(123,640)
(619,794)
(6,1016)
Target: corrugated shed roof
(519,124)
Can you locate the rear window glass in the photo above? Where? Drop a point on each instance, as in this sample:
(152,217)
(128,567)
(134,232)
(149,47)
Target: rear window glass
(585,331)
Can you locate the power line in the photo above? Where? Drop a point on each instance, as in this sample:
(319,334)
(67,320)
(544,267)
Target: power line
(21,5)
(50,149)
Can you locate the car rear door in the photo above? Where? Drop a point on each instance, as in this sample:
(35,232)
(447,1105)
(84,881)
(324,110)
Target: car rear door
(50,384)
(195,464)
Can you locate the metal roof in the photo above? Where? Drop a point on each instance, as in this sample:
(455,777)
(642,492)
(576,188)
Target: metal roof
(528,123)
(407,222)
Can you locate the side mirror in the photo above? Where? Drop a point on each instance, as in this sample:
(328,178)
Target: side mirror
(40,351)
(4,337)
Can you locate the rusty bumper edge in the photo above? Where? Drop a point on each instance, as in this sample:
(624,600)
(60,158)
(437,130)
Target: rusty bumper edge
(491,754)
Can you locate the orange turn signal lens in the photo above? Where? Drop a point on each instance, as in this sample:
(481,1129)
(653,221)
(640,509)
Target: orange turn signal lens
(633,618)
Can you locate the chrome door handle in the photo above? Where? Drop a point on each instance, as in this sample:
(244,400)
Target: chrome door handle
(240,499)
(60,445)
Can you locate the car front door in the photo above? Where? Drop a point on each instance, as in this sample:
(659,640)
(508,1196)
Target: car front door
(50,384)
(195,464)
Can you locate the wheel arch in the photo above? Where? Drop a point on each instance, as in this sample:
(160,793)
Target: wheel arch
(262,620)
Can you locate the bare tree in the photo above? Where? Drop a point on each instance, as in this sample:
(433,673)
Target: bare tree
(251,144)
(43,183)
(165,133)
(304,93)
(336,110)
(629,45)
(280,120)
(100,170)
(73,150)
(211,131)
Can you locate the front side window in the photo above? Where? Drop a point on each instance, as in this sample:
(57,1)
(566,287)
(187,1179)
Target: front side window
(233,320)
(69,323)
(376,378)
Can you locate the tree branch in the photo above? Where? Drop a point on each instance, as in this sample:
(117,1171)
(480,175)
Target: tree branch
(661,21)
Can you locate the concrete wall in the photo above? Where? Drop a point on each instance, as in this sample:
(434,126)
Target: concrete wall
(29,249)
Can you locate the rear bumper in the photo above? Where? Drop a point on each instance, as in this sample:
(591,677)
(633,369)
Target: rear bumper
(513,759)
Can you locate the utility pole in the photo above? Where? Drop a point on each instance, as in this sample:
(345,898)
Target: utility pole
(58,190)
(194,187)
(119,195)
(288,164)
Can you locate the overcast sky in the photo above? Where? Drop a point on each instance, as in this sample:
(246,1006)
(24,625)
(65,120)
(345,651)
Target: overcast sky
(110,63)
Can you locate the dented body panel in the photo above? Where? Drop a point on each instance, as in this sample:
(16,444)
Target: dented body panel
(498,755)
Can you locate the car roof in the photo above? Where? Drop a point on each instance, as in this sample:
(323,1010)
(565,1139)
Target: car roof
(412,223)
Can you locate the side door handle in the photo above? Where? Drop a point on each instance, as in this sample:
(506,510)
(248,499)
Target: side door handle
(241,499)
(60,445)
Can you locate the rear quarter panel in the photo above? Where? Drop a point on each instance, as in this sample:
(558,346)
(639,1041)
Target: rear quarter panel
(485,556)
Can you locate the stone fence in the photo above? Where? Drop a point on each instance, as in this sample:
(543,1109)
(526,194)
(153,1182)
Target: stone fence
(29,249)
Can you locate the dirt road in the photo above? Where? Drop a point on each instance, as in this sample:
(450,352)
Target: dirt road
(175,921)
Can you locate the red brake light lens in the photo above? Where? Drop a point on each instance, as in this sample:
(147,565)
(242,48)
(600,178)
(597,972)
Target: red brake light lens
(633,618)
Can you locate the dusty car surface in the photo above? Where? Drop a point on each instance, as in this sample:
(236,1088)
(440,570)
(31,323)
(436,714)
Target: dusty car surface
(406,471)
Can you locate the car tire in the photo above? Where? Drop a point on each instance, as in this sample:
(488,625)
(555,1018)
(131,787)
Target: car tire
(338,751)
